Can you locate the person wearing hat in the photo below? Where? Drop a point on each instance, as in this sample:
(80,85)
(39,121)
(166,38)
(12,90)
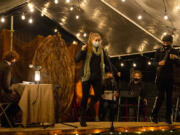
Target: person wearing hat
(165,57)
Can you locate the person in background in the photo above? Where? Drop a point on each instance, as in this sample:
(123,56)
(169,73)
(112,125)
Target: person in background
(165,57)
(6,94)
(93,72)
(136,89)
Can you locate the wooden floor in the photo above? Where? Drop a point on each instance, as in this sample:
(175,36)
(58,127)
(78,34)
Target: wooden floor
(93,127)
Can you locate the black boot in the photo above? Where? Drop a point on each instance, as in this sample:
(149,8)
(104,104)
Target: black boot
(168,119)
(83,118)
(154,118)
(83,122)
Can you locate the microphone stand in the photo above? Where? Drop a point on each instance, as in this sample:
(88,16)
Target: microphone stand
(114,85)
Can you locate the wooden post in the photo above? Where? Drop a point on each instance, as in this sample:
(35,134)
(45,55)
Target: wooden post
(12,30)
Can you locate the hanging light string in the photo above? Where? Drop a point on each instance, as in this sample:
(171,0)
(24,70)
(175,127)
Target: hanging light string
(172,27)
(169,17)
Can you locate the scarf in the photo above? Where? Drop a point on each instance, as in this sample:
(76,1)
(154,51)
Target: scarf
(87,72)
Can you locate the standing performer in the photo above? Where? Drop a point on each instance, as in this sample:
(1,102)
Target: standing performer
(93,72)
(165,57)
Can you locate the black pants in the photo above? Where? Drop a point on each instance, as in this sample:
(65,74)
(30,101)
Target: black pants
(97,86)
(165,86)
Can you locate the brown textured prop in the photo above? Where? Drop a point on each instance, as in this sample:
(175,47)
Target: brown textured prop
(25,44)
(58,67)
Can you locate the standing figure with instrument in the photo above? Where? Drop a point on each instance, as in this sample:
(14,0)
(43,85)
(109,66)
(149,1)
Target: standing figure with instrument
(165,57)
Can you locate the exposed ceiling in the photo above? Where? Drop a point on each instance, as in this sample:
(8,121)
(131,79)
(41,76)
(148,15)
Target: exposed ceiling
(115,20)
(6,5)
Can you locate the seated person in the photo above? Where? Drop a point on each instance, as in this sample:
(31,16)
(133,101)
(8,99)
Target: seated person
(6,94)
(136,89)
(107,105)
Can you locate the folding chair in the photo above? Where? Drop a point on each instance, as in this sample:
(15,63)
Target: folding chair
(126,105)
(3,109)
(176,109)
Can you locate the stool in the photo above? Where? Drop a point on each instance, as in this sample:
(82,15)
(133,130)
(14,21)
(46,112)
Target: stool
(3,108)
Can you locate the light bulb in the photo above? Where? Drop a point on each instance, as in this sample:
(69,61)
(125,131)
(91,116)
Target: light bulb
(122,64)
(30,20)
(74,43)
(56,1)
(23,17)
(55,30)
(30,5)
(67,1)
(149,63)
(134,65)
(85,35)
(165,33)
(78,34)
(77,17)
(123,0)
(71,8)
(2,19)
(139,17)
(165,17)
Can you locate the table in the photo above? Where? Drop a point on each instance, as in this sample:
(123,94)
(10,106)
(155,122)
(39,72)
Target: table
(36,103)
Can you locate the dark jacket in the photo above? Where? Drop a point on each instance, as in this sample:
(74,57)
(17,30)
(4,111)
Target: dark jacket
(5,77)
(81,55)
(137,89)
(166,71)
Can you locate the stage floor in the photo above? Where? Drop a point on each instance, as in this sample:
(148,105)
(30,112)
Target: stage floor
(93,127)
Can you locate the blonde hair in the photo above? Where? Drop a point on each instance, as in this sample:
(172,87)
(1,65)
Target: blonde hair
(91,37)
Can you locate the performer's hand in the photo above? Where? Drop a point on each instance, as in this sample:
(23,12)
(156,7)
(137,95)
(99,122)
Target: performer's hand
(145,101)
(109,75)
(172,56)
(162,63)
(119,74)
(84,47)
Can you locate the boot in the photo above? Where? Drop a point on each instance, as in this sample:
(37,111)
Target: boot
(154,118)
(83,122)
(83,118)
(168,119)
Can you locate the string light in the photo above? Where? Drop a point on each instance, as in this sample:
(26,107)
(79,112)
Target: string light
(84,35)
(122,64)
(55,30)
(165,33)
(149,63)
(23,17)
(2,19)
(31,7)
(165,17)
(32,10)
(139,17)
(78,34)
(67,1)
(42,14)
(56,1)
(63,20)
(123,0)
(134,64)
(74,43)
(77,17)
(30,21)
(71,8)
